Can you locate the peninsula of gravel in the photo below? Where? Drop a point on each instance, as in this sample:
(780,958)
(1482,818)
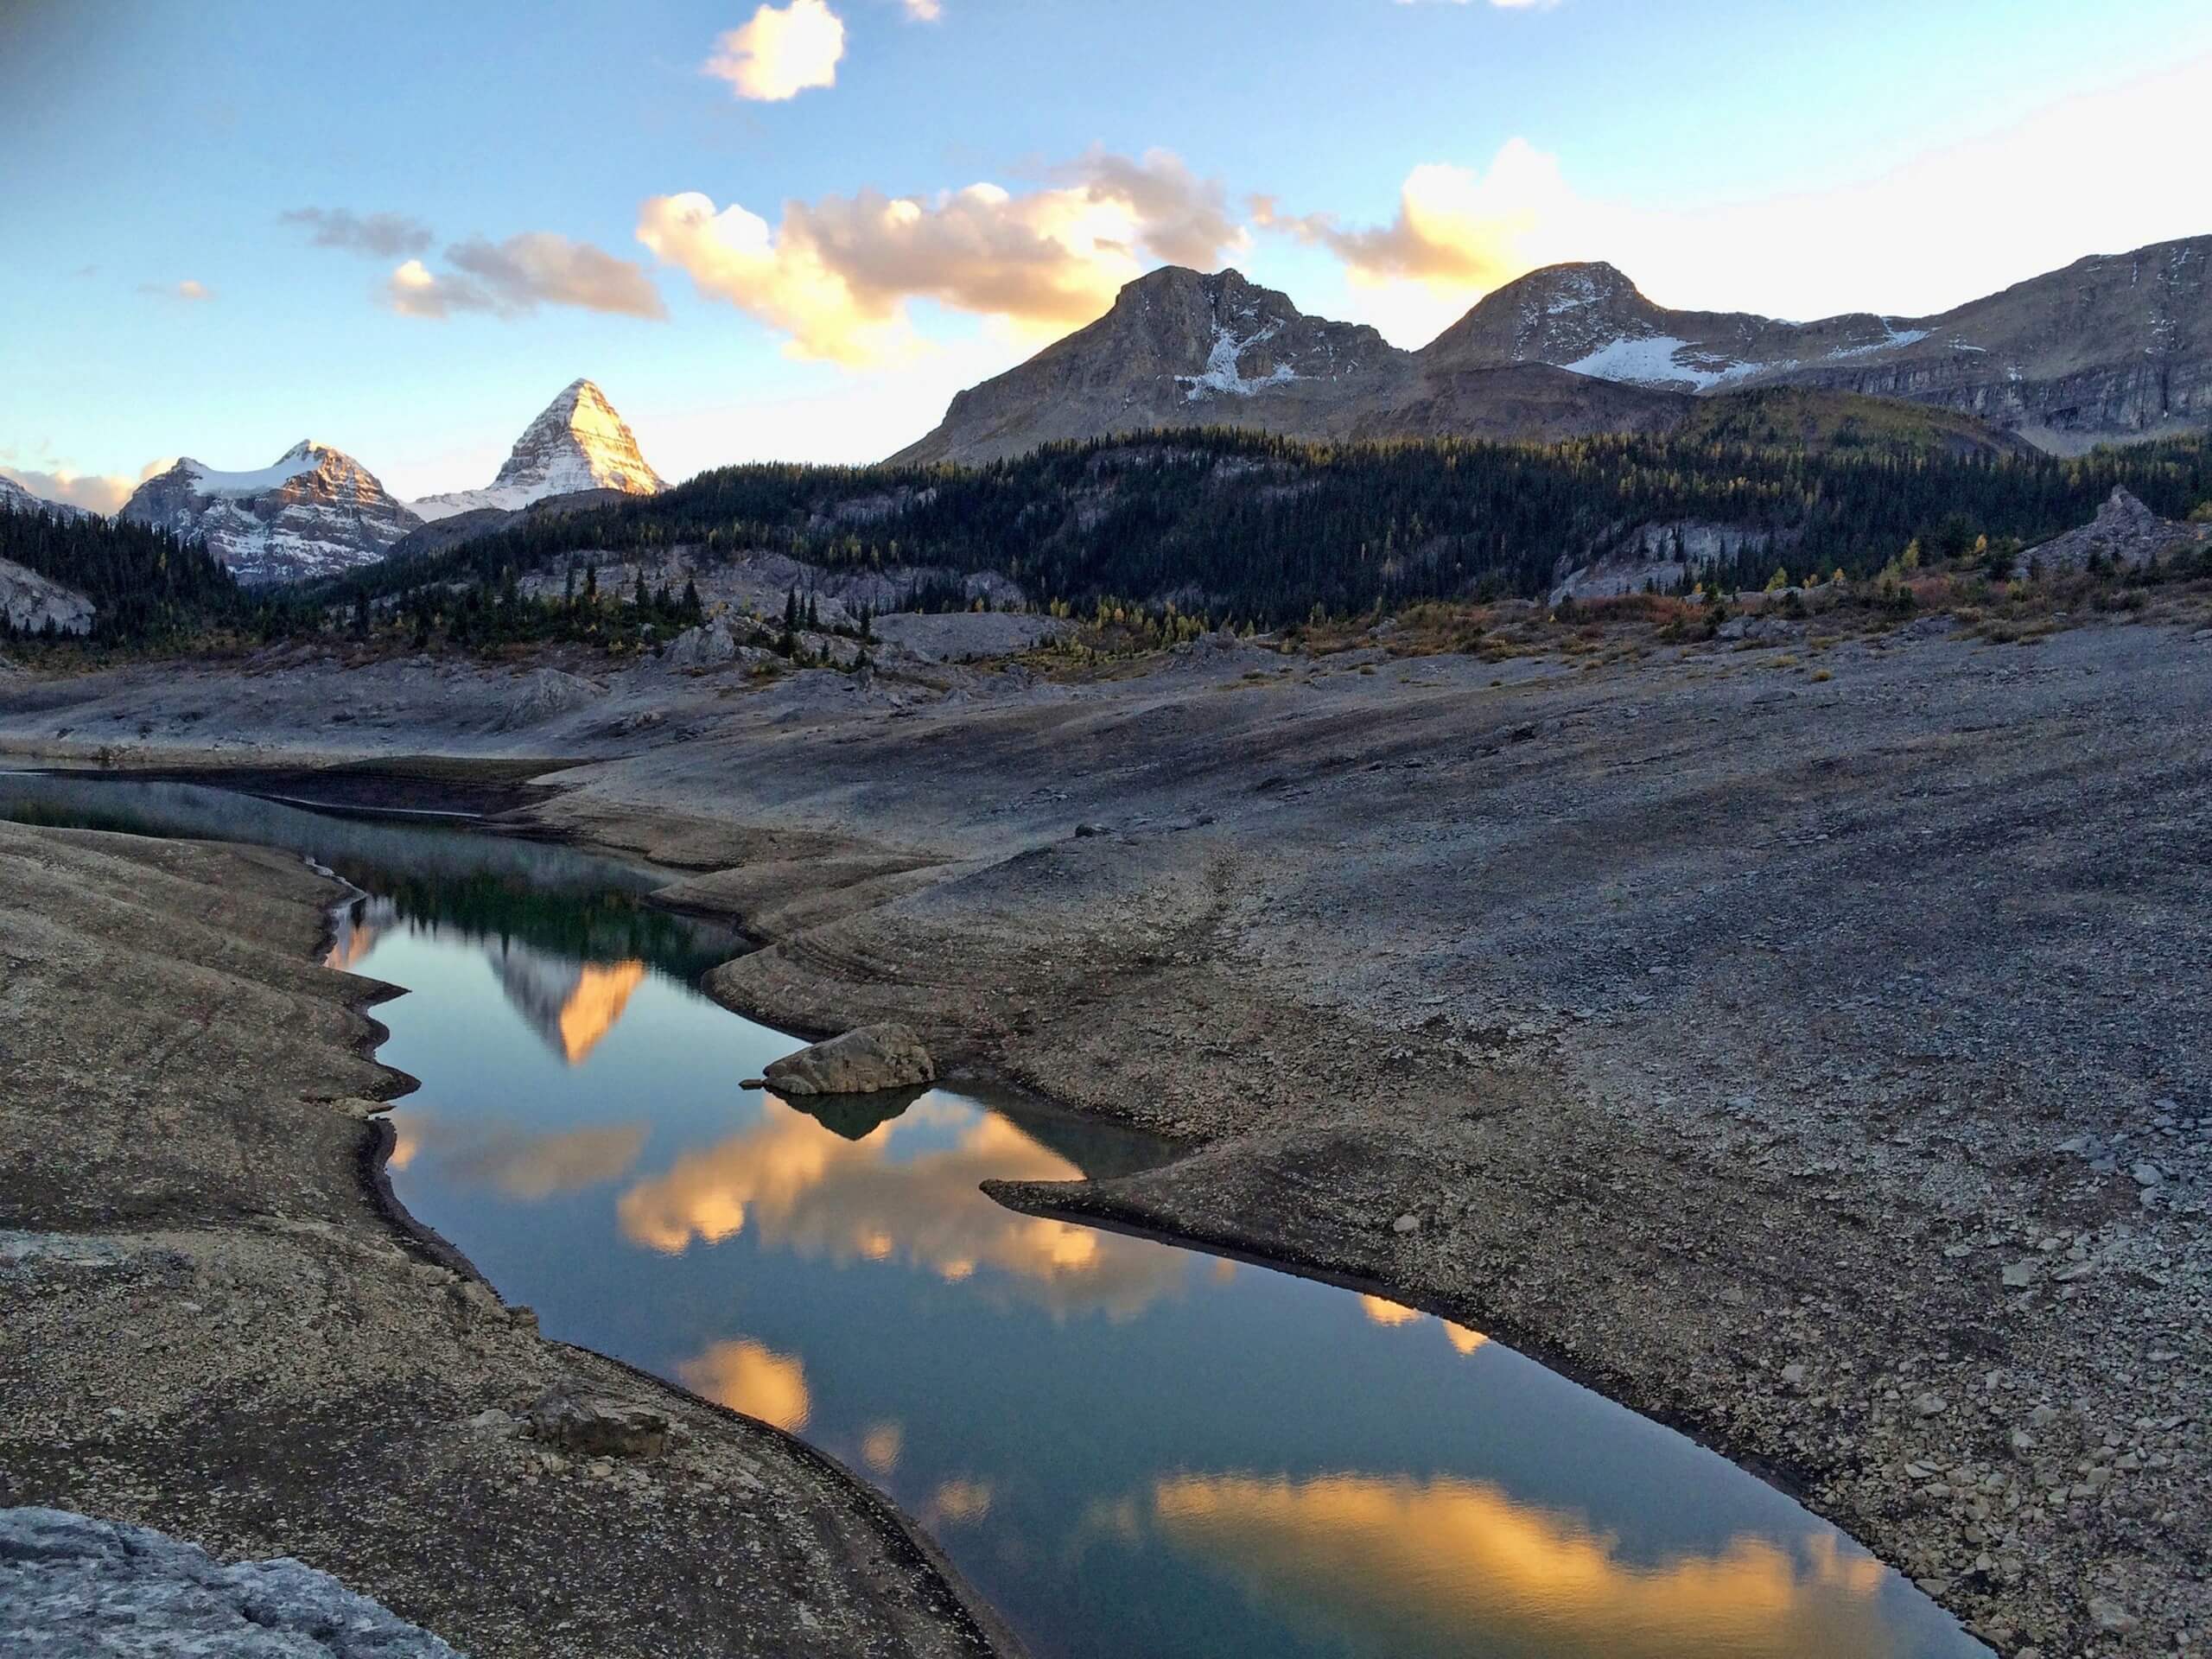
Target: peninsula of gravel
(216,1329)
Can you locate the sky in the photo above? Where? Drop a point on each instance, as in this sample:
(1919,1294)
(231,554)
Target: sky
(792,231)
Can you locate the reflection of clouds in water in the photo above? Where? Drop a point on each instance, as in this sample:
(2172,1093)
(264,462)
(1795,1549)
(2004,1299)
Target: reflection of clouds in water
(1384,1313)
(1426,1561)
(880,1446)
(520,1164)
(957,1502)
(808,1190)
(756,1381)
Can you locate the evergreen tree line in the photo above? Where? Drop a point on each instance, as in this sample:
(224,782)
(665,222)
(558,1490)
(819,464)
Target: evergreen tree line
(1251,525)
(147,585)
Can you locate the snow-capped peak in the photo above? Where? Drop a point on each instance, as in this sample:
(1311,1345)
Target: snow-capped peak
(577,442)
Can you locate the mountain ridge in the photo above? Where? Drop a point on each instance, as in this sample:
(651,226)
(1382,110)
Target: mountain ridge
(315,511)
(2110,347)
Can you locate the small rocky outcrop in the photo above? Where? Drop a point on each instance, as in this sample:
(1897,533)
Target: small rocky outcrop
(598,1429)
(72,1584)
(862,1062)
(33,602)
(2125,534)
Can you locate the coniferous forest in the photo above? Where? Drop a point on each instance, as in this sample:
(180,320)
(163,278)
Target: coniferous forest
(1229,524)
(147,585)
(1246,525)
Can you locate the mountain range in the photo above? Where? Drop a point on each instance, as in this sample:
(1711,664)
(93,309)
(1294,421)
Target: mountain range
(2112,348)
(317,511)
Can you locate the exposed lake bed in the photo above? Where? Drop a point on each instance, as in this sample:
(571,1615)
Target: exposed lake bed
(1263,1465)
(1364,993)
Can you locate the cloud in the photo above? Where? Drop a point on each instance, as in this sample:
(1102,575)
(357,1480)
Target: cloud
(782,51)
(101,493)
(514,278)
(190,289)
(381,235)
(924,11)
(1455,228)
(1945,226)
(837,275)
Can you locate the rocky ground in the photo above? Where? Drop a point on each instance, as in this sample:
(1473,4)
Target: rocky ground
(1802,1039)
(214,1328)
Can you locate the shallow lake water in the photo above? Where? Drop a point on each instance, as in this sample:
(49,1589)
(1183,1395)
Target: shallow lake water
(1132,1449)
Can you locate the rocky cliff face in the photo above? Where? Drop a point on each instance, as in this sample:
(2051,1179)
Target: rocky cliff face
(577,442)
(1180,348)
(314,512)
(32,602)
(2108,349)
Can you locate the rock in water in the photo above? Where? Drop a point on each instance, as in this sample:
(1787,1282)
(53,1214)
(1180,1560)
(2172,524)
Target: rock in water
(861,1062)
(72,1584)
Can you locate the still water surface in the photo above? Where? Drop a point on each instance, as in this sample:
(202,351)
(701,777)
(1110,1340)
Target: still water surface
(1130,1448)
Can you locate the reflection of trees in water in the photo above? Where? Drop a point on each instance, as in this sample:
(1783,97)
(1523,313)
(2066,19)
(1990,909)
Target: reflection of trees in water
(591,924)
(553,897)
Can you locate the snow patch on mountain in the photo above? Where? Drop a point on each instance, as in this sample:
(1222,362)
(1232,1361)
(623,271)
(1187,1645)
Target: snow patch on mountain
(576,442)
(303,457)
(1221,374)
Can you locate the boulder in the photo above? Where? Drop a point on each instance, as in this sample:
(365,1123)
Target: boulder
(72,1584)
(861,1062)
(598,1429)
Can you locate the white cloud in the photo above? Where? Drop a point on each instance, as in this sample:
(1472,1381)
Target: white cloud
(838,274)
(1944,227)
(924,11)
(102,493)
(781,53)
(190,289)
(514,278)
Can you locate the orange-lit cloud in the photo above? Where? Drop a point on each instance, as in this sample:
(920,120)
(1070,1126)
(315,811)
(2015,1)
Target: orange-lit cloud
(756,1381)
(817,1194)
(1384,1312)
(1456,228)
(1424,1561)
(191,289)
(101,493)
(957,1502)
(515,277)
(602,992)
(880,1446)
(1975,212)
(782,51)
(838,274)
(520,1164)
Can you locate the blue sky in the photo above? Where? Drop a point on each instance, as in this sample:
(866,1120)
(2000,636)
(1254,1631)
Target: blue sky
(1894,156)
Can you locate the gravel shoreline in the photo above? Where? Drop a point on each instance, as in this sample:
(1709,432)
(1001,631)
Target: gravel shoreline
(220,1328)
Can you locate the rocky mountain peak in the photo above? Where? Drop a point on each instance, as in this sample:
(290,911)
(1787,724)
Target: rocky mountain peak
(313,510)
(576,442)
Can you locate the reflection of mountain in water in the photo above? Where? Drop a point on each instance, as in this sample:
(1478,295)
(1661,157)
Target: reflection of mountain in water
(571,1004)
